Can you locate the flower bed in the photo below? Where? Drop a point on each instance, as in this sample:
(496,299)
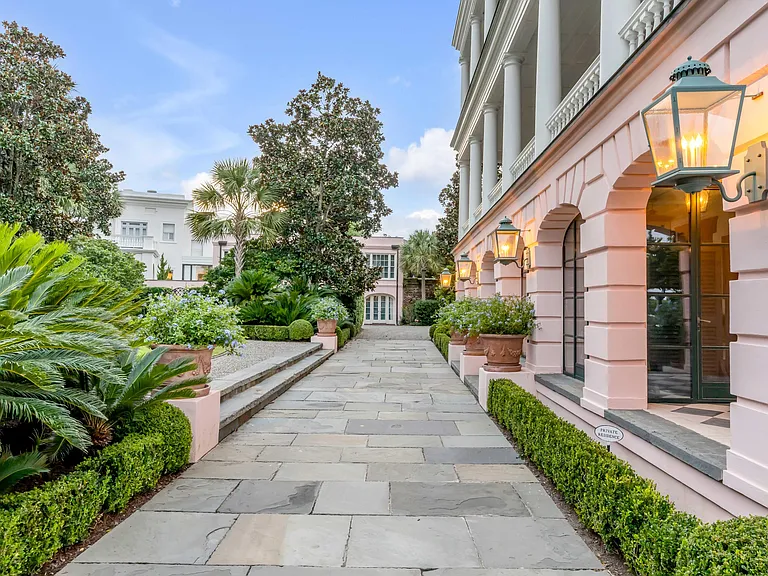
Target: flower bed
(34,525)
(623,508)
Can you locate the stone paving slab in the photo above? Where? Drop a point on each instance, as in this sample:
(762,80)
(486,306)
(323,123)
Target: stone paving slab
(402,416)
(192,495)
(407,427)
(319,471)
(300,454)
(538,501)
(446,499)
(264,497)
(411,472)
(402,455)
(232,470)
(471,456)
(256,439)
(311,571)
(494,473)
(151,570)
(383,441)
(162,538)
(329,440)
(358,498)
(234,453)
(289,425)
(514,572)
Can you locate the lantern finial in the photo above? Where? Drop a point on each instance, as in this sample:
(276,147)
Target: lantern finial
(690,68)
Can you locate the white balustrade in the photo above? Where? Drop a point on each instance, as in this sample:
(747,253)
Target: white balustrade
(477,212)
(581,93)
(495,192)
(524,160)
(465,227)
(647,18)
(134,242)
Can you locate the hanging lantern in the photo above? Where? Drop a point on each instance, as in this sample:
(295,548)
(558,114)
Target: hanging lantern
(692,129)
(445,278)
(506,241)
(464,267)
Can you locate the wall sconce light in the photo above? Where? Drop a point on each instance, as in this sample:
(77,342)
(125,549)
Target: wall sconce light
(445,278)
(464,269)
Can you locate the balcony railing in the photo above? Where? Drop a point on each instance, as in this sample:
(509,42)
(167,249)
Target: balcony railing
(495,192)
(647,18)
(477,212)
(134,242)
(465,227)
(524,160)
(581,93)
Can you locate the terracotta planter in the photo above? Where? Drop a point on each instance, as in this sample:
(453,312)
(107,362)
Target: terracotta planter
(326,327)
(474,346)
(201,357)
(457,337)
(503,352)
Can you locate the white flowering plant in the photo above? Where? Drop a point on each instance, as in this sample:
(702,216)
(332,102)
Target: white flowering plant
(193,320)
(328,308)
(456,315)
(503,315)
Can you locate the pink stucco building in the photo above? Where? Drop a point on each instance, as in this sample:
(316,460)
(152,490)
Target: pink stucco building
(384,304)
(651,302)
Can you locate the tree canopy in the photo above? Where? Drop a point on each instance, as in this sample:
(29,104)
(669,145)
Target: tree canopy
(53,177)
(328,159)
(104,260)
(421,256)
(447,229)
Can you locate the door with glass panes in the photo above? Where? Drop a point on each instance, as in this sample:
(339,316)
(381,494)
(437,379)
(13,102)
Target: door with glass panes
(688,275)
(379,308)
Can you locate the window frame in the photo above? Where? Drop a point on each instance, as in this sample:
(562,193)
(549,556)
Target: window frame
(172,234)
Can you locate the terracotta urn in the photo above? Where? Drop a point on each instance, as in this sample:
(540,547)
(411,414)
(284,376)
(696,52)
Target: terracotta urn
(457,337)
(326,327)
(503,352)
(473,346)
(201,356)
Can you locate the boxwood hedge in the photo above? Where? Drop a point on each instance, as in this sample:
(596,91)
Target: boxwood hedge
(271,333)
(623,508)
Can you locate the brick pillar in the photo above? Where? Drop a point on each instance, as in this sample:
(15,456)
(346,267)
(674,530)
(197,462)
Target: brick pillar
(545,288)
(747,459)
(615,310)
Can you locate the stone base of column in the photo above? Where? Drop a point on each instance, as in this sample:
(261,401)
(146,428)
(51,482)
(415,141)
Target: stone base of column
(454,353)
(747,469)
(470,365)
(486,290)
(328,342)
(524,378)
(544,357)
(614,385)
(203,414)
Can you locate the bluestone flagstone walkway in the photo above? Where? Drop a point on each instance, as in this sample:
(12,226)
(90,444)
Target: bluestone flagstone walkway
(379,463)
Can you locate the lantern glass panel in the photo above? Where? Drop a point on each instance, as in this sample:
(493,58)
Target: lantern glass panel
(660,126)
(707,127)
(465,270)
(506,244)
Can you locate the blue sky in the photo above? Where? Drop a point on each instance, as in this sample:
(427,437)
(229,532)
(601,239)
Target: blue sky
(174,84)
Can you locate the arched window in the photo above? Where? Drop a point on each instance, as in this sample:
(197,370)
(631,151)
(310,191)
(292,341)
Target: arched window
(379,308)
(573,301)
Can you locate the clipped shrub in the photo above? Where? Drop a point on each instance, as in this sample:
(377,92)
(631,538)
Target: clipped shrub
(300,330)
(132,466)
(271,333)
(432,331)
(425,311)
(442,341)
(738,546)
(342,336)
(173,426)
(358,314)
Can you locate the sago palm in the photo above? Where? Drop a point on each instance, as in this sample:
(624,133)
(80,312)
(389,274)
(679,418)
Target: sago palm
(420,255)
(240,202)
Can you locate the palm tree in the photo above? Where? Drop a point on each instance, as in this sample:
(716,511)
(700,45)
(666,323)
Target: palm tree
(238,202)
(420,255)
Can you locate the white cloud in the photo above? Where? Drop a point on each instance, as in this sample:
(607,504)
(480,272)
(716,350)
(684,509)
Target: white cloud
(398,225)
(427,214)
(187,186)
(431,159)
(400,80)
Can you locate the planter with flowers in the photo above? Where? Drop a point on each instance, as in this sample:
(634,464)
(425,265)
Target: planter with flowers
(191,325)
(454,316)
(473,319)
(328,312)
(504,322)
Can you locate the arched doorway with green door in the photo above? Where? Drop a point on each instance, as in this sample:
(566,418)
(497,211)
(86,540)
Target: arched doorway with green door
(688,275)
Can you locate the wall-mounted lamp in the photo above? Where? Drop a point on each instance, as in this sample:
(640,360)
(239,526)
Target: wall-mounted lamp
(464,269)
(445,278)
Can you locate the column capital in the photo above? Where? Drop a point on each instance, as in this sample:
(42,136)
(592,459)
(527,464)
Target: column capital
(475,140)
(476,19)
(463,60)
(464,163)
(489,107)
(513,58)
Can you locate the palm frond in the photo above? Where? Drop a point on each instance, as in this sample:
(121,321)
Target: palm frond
(16,468)
(55,417)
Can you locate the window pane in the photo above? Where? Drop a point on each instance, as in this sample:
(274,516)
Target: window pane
(569,355)
(669,373)
(668,269)
(391,300)
(669,321)
(375,307)
(169,232)
(368,309)
(715,321)
(715,365)
(666,217)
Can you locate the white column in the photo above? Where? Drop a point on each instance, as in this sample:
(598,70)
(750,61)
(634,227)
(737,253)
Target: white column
(548,89)
(476,43)
(464,63)
(614,50)
(490,153)
(490,9)
(475,174)
(463,194)
(512,136)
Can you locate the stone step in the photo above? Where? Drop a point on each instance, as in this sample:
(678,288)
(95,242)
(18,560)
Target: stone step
(236,382)
(238,408)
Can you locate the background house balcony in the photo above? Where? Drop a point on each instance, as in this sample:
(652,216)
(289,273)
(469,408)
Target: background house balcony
(140,243)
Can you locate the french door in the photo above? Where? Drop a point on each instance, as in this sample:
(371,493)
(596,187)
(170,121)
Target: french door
(379,308)
(688,275)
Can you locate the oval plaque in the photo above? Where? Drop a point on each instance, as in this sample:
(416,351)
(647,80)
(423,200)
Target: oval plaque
(608,433)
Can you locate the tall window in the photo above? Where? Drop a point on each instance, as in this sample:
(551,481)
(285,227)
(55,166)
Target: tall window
(169,232)
(573,302)
(379,308)
(135,229)
(386,262)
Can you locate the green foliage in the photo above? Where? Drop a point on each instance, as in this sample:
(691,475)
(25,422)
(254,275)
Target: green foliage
(342,336)
(328,308)
(275,260)
(132,466)
(502,315)
(442,341)
(16,468)
(328,158)
(420,256)
(251,285)
(445,295)
(456,315)
(447,229)
(425,311)
(408,315)
(286,307)
(53,174)
(300,330)
(238,201)
(726,548)
(269,333)
(193,320)
(172,425)
(358,313)
(164,271)
(104,260)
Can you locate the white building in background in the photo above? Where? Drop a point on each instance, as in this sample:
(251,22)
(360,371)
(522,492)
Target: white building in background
(384,304)
(153,225)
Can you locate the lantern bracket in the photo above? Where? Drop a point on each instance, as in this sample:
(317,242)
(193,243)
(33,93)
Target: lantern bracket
(756,161)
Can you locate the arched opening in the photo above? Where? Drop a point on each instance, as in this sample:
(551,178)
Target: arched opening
(379,309)
(573,301)
(688,280)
